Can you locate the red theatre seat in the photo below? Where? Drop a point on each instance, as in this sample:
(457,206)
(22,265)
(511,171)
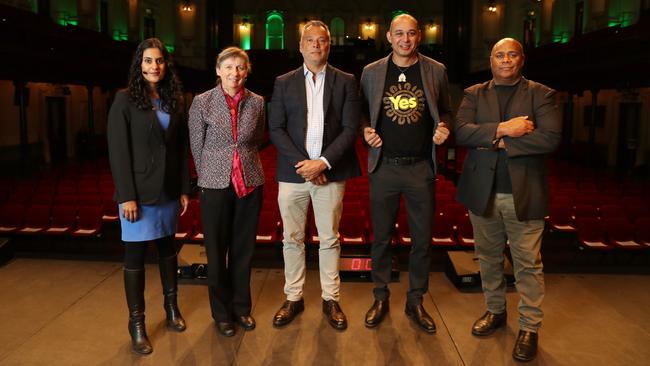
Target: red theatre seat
(642,231)
(591,234)
(443,233)
(620,233)
(268,225)
(63,220)
(465,232)
(89,222)
(560,218)
(11,217)
(353,229)
(37,219)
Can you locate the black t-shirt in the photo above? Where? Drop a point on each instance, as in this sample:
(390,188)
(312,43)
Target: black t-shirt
(502,183)
(405,125)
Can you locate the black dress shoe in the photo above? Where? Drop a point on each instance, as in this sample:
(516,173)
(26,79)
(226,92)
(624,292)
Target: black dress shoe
(376,314)
(421,317)
(246,321)
(526,346)
(335,315)
(488,323)
(287,312)
(226,328)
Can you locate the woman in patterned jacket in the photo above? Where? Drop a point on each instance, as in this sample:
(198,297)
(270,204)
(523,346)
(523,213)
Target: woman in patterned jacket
(226,125)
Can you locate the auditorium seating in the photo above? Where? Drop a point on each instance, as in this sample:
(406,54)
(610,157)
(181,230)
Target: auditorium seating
(11,217)
(89,221)
(599,212)
(591,234)
(620,233)
(37,220)
(64,218)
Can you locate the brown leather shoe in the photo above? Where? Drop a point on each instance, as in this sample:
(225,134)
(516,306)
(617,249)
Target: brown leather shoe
(376,313)
(421,317)
(334,314)
(488,323)
(246,321)
(526,346)
(226,328)
(287,312)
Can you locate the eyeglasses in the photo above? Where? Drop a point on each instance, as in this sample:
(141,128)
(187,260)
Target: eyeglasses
(512,55)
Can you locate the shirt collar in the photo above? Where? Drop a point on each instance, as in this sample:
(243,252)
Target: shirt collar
(306,71)
(237,96)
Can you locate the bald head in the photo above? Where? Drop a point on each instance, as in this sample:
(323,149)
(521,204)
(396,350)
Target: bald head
(404,38)
(506,61)
(404,17)
(511,41)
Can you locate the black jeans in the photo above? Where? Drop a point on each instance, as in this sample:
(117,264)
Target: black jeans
(229,232)
(416,183)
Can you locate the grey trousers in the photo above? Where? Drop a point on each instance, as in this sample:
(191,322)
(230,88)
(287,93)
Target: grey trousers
(491,231)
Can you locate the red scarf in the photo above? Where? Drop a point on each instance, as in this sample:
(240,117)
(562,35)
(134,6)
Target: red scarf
(237,177)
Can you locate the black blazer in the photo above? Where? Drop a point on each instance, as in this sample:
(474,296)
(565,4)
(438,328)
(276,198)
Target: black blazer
(144,158)
(288,124)
(476,125)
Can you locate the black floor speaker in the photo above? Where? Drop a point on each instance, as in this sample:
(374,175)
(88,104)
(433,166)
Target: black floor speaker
(192,263)
(6,250)
(463,270)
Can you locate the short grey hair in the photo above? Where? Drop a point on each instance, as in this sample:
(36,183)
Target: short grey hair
(234,52)
(315,23)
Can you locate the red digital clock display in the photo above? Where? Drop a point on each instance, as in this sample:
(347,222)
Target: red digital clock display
(363,264)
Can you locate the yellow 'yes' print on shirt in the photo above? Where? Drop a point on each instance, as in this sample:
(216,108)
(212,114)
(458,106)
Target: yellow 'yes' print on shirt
(404,103)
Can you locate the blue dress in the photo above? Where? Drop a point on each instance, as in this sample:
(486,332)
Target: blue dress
(154,221)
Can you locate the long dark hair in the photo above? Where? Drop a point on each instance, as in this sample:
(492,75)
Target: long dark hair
(169,88)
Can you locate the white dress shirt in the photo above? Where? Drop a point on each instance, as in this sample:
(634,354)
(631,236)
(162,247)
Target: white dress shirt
(315,113)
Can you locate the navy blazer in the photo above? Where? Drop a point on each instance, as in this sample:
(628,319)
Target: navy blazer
(144,158)
(477,121)
(288,124)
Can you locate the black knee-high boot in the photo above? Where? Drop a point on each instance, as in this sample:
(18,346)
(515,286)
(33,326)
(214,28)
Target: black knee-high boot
(169,279)
(134,288)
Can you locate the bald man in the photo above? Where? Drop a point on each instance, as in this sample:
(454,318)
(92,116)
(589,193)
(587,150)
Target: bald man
(406,110)
(509,125)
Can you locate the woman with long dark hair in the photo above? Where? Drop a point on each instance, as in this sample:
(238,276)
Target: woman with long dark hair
(147,145)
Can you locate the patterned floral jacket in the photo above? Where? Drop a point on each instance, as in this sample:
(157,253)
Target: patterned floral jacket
(212,143)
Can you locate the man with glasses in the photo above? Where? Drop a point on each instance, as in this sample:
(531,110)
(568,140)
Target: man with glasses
(509,125)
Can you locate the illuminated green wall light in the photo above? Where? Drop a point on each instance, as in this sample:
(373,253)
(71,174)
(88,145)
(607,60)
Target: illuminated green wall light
(65,20)
(274,31)
(170,48)
(119,35)
(245,34)
(399,12)
(562,37)
(625,19)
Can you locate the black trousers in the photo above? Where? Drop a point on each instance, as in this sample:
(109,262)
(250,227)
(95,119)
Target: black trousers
(416,183)
(229,232)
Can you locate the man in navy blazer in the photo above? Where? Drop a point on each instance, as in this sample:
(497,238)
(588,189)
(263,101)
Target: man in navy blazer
(509,124)
(313,123)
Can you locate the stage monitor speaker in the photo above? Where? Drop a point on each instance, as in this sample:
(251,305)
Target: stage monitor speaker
(192,263)
(463,270)
(358,268)
(6,250)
